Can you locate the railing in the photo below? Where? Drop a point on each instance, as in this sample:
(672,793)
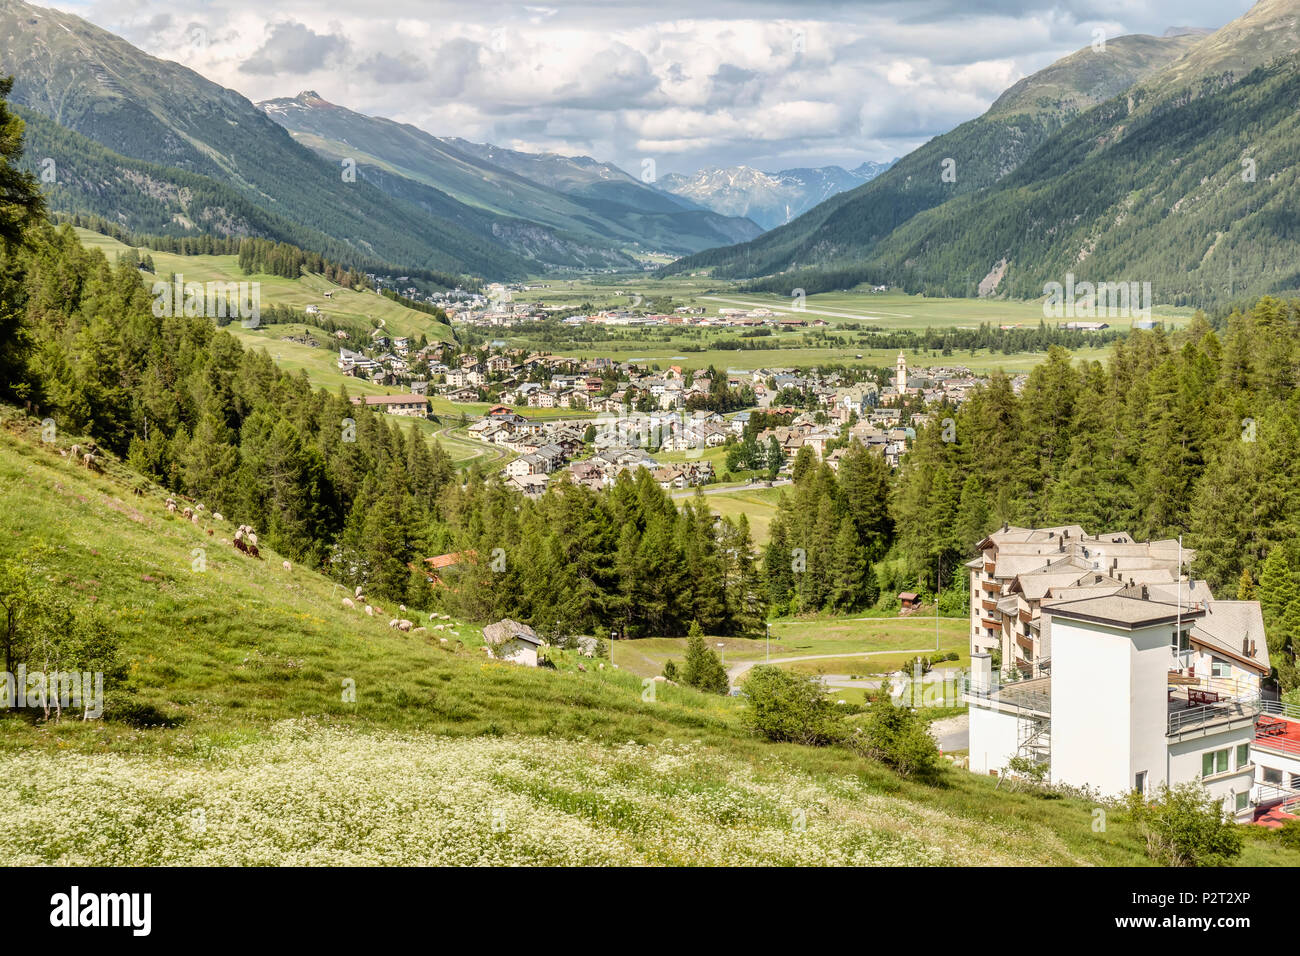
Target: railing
(1281,708)
(1269,793)
(1187,719)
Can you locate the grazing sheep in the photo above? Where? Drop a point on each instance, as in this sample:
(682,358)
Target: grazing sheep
(442,640)
(199,506)
(253,552)
(347,603)
(402,608)
(419,630)
(90,461)
(209,532)
(370,610)
(286,565)
(404,625)
(171,506)
(188,513)
(393,623)
(358,591)
(194,518)
(252,538)
(75,451)
(216,516)
(240,545)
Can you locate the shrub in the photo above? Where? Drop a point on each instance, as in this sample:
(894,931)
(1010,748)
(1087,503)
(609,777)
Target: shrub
(789,707)
(898,737)
(670,670)
(1185,826)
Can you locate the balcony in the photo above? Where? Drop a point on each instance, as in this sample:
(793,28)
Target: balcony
(1026,615)
(1026,642)
(989,605)
(1198,713)
(990,567)
(990,623)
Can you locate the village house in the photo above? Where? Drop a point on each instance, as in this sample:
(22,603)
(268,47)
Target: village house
(415,406)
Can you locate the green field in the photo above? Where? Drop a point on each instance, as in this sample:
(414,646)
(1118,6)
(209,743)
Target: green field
(344,305)
(839,639)
(229,736)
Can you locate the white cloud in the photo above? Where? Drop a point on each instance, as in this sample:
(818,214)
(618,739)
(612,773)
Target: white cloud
(758,83)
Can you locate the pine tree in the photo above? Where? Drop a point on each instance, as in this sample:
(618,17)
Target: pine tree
(702,668)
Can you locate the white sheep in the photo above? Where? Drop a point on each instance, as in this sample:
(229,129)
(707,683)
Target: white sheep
(347,603)
(358,591)
(370,610)
(404,625)
(287,566)
(393,623)
(216,516)
(171,506)
(252,538)
(194,518)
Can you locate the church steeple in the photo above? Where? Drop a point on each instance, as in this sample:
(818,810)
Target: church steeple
(900,379)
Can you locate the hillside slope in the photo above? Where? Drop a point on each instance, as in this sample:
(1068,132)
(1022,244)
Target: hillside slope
(134,105)
(983,151)
(443,757)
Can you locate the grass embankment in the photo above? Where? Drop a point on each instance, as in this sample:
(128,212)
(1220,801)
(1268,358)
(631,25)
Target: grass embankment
(445,756)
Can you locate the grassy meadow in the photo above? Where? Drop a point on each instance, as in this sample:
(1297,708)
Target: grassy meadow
(257,754)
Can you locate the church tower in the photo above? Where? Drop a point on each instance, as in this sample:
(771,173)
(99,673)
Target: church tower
(900,381)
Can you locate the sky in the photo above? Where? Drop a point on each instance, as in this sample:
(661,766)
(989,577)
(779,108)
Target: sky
(681,84)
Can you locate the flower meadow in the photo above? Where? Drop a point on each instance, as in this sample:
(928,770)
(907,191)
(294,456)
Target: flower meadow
(311,794)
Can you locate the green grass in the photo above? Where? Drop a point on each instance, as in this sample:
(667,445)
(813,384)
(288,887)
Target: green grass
(345,305)
(249,661)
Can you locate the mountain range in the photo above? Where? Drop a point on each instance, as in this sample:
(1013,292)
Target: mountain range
(1160,159)
(769,199)
(156,148)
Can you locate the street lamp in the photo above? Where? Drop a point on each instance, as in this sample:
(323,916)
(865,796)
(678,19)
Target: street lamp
(724,653)
(613,636)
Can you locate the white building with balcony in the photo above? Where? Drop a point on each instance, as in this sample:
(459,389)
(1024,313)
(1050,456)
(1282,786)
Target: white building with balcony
(1119,709)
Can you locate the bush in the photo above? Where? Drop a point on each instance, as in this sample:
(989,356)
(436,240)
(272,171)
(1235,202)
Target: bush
(1185,826)
(898,737)
(789,707)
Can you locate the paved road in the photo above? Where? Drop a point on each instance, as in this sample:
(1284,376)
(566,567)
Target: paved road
(709,490)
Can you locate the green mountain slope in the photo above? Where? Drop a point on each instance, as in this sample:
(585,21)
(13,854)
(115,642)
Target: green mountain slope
(98,85)
(585,201)
(1196,198)
(983,151)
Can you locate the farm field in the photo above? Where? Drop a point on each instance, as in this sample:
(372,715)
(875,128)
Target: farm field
(231,738)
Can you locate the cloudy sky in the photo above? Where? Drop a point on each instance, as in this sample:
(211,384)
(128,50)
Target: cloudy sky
(684,82)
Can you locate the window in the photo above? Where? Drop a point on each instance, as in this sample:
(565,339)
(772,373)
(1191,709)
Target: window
(1220,669)
(1140,782)
(1214,761)
(1272,776)
(1240,799)
(1184,640)
(1243,755)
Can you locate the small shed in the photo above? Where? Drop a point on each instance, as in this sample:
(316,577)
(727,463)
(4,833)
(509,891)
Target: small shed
(909,600)
(511,641)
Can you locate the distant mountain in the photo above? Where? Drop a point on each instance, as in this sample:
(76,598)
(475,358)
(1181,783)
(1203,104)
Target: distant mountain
(844,229)
(583,200)
(188,139)
(1187,181)
(770,199)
